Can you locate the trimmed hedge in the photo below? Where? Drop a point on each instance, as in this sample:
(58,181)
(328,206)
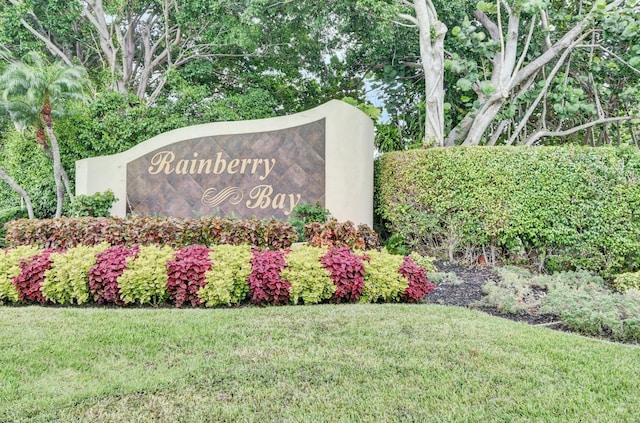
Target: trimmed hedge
(199,275)
(68,232)
(559,208)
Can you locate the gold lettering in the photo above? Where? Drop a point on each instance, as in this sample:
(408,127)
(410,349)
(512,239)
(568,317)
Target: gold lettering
(245,162)
(182,167)
(278,201)
(204,163)
(268,168)
(292,197)
(231,169)
(220,165)
(261,195)
(162,161)
(256,162)
(192,169)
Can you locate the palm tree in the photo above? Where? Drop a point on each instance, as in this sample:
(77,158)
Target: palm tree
(34,92)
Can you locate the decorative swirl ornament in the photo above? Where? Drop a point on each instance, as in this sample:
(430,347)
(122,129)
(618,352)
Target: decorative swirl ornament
(211,199)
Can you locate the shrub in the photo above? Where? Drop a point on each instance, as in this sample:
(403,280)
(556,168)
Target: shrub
(396,244)
(625,281)
(594,310)
(309,281)
(10,268)
(103,276)
(95,205)
(70,232)
(418,286)
(266,285)
(65,282)
(346,270)
(227,280)
(145,279)
(557,208)
(186,274)
(341,234)
(423,261)
(306,213)
(7,215)
(29,281)
(382,281)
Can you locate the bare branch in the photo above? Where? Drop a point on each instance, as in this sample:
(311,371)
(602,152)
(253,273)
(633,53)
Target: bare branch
(541,134)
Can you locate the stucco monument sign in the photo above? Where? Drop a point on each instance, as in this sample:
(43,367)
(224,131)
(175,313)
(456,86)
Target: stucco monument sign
(261,168)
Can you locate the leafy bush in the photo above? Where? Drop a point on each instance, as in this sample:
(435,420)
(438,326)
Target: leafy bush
(418,286)
(66,280)
(266,285)
(423,261)
(186,274)
(306,213)
(96,205)
(626,281)
(309,280)
(347,271)
(29,281)
(10,268)
(7,215)
(175,232)
(227,282)
(341,234)
(382,281)
(557,208)
(103,276)
(396,244)
(145,279)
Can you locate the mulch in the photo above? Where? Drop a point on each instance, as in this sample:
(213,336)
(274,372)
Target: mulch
(468,290)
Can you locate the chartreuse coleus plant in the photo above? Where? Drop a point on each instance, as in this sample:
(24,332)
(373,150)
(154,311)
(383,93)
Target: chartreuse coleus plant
(382,281)
(10,268)
(310,281)
(145,279)
(227,280)
(66,280)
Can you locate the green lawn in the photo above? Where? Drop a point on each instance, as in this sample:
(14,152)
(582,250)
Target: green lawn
(322,363)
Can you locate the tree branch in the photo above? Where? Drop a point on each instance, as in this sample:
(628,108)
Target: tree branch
(540,134)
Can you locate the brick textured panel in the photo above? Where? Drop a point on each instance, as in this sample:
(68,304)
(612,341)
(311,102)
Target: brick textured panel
(262,174)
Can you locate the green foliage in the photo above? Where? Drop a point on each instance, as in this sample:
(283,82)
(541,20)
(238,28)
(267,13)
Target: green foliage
(7,215)
(594,310)
(69,232)
(306,213)
(396,244)
(382,282)
(558,208)
(310,282)
(66,281)
(425,262)
(517,290)
(145,279)
(626,281)
(9,268)
(227,280)
(96,205)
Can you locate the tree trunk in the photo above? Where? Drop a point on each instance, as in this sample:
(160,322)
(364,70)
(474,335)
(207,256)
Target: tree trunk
(57,169)
(17,188)
(432,33)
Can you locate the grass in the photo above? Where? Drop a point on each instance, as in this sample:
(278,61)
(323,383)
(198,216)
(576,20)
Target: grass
(365,363)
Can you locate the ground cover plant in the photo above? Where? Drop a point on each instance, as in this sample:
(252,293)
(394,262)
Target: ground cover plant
(355,362)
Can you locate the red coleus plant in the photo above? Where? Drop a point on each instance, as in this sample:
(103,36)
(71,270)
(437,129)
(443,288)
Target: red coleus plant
(29,280)
(418,286)
(103,276)
(265,284)
(186,274)
(346,270)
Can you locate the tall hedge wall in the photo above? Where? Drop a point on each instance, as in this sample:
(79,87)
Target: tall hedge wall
(554,207)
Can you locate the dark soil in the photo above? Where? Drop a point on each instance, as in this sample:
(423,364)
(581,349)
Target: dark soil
(467,290)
